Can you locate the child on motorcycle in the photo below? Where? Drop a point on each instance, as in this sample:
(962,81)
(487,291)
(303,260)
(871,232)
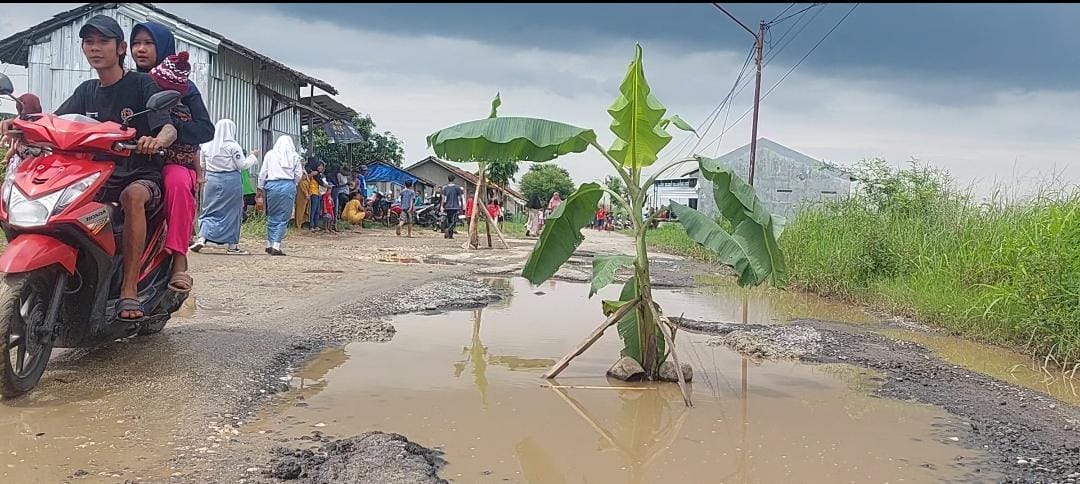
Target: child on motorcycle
(181,175)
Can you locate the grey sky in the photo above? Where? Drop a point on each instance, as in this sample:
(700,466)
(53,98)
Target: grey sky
(983,90)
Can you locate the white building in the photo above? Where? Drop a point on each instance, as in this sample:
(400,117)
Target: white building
(260,94)
(679,189)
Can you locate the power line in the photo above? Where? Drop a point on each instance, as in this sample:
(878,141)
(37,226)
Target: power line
(792,69)
(797,34)
(781,13)
(726,101)
(774,22)
(686,141)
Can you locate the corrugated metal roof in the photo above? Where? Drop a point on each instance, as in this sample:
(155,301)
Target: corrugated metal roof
(15,48)
(464,175)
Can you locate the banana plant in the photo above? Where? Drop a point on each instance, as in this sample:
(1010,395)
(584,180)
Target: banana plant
(640,128)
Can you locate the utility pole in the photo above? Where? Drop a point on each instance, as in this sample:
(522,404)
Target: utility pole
(759,43)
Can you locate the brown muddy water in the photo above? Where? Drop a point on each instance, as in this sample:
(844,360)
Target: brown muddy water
(468,382)
(1003,364)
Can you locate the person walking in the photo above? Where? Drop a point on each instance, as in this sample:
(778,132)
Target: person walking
(536,216)
(280,173)
(408,208)
(223,194)
(453,200)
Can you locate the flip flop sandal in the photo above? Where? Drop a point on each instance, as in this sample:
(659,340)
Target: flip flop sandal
(237,252)
(128,304)
(196,247)
(179,280)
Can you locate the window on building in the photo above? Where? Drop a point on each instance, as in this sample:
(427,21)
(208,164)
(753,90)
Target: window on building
(783,190)
(692,203)
(828,192)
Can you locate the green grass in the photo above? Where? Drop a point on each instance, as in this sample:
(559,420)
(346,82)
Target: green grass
(1002,273)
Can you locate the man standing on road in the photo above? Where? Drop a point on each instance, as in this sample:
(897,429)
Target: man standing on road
(453,200)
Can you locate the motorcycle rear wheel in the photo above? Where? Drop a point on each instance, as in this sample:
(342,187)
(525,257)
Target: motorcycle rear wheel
(24,301)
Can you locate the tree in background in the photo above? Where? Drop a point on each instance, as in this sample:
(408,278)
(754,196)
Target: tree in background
(384,147)
(502,172)
(545,179)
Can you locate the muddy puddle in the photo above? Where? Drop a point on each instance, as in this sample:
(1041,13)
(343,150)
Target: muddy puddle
(468,383)
(1003,364)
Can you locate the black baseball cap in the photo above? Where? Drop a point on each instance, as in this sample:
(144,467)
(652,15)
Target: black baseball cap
(101,23)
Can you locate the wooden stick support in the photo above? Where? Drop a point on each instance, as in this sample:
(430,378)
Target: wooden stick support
(663,324)
(596,334)
(591,387)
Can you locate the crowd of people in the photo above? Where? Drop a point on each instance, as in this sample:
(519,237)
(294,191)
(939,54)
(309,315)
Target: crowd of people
(206,176)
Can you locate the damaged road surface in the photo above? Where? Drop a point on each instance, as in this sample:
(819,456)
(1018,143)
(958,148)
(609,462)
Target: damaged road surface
(370,358)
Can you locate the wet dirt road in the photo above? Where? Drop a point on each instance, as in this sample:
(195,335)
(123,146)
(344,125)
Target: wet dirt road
(207,399)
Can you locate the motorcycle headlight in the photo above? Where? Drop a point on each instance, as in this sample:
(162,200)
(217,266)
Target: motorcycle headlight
(25,212)
(9,177)
(73,193)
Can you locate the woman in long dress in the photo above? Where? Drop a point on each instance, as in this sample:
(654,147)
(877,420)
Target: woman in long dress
(536,211)
(223,195)
(278,179)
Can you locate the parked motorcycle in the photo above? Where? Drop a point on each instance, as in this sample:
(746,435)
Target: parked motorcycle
(62,268)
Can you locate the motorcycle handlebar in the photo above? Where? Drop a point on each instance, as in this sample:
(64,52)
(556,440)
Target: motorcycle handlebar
(133,147)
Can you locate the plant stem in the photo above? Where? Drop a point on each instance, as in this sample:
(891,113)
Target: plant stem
(646,310)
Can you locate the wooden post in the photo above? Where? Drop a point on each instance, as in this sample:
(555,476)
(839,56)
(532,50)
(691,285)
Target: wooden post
(662,323)
(474,236)
(595,335)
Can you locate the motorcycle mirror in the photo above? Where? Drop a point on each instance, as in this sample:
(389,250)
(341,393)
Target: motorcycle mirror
(6,88)
(163,101)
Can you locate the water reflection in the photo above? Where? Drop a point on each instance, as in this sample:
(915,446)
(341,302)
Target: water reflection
(476,357)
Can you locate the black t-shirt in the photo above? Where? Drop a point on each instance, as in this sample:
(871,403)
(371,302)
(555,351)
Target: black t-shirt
(113,103)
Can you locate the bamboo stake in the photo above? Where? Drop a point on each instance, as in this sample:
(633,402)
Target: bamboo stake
(498,232)
(596,334)
(662,323)
(590,387)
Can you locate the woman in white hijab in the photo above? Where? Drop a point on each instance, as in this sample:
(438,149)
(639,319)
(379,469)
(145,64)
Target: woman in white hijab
(280,173)
(223,195)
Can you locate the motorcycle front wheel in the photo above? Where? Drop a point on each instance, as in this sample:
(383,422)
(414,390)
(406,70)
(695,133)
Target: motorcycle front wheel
(24,301)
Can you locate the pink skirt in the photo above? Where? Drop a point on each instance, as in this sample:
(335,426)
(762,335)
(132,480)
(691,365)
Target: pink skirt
(180,207)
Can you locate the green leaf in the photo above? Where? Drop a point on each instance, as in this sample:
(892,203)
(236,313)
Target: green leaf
(678,122)
(755,227)
(628,325)
(746,250)
(637,117)
(629,330)
(509,139)
(562,233)
(495,103)
(604,268)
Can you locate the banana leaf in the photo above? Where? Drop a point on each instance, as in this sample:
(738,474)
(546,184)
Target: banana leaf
(509,139)
(629,329)
(754,226)
(745,250)
(638,119)
(604,268)
(562,233)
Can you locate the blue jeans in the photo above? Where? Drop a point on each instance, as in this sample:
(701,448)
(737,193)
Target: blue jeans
(280,199)
(316,211)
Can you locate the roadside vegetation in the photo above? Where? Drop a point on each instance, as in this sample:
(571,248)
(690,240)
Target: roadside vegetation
(908,242)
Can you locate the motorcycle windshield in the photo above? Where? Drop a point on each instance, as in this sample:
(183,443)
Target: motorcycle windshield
(79,118)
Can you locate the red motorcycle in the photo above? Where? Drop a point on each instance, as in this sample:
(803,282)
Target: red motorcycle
(61,268)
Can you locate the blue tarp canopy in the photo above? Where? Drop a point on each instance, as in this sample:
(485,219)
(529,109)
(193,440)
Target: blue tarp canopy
(381,172)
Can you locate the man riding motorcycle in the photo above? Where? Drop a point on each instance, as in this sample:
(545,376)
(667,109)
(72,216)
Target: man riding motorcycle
(136,182)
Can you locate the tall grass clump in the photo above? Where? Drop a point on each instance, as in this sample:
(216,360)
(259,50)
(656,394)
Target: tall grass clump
(909,242)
